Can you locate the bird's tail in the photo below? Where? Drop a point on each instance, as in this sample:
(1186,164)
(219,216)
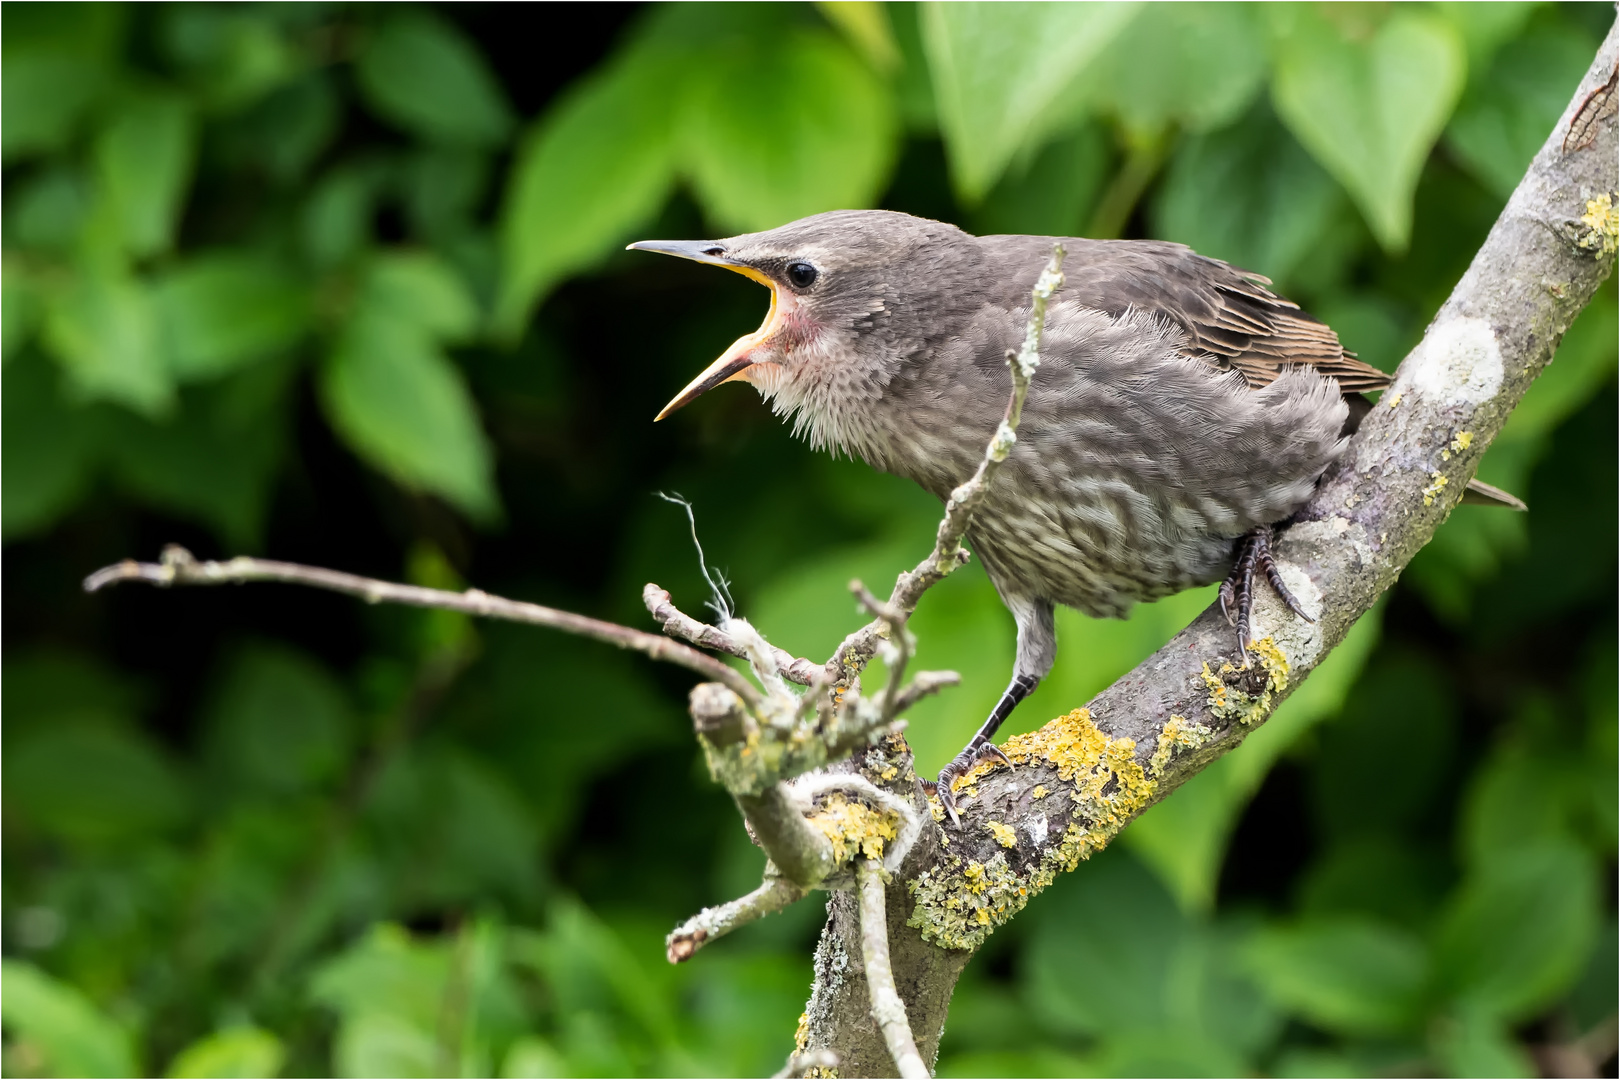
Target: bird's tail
(1479,493)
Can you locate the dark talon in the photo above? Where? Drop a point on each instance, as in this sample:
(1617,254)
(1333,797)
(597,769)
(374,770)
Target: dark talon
(1253,550)
(993,752)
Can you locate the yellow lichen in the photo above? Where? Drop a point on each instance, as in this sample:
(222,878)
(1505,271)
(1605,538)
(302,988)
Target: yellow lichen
(853,828)
(1602,221)
(1437,484)
(1460,442)
(1040,792)
(1179,734)
(959,905)
(1230,703)
(1395,399)
(1005,835)
(890,773)
(801,1037)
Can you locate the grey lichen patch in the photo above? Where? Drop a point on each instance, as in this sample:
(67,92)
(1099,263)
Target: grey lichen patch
(1459,360)
(1178,733)
(959,903)
(1233,695)
(1333,533)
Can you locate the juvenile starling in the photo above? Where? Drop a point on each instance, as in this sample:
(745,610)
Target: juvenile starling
(1181,409)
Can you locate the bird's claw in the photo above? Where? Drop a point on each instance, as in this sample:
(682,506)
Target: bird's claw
(958,765)
(1237,591)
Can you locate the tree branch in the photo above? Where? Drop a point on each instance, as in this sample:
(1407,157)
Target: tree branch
(887,1008)
(180,567)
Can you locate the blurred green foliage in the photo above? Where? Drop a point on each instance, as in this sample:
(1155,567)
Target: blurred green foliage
(343,283)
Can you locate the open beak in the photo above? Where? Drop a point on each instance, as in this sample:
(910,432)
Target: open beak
(734,362)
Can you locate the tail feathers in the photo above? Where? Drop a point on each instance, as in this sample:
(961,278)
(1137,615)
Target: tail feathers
(1479,493)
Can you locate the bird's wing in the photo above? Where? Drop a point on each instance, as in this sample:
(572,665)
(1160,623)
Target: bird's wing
(1230,316)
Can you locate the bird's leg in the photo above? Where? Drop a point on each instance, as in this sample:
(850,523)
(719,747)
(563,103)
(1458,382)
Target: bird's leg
(1237,591)
(980,746)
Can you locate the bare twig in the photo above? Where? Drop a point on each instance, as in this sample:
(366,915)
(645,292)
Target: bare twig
(858,648)
(772,896)
(677,623)
(887,1008)
(180,567)
(799,1064)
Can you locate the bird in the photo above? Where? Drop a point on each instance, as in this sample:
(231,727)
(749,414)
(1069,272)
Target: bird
(1181,412)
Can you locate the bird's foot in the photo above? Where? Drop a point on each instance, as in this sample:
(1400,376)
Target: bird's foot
(1237,591)
(961,763)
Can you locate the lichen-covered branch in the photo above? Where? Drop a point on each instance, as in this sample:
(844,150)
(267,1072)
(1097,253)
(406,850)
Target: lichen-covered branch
(772,896)
(887,1008)
(179,567)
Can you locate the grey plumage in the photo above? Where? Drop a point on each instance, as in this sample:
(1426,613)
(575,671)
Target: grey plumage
(1180,404)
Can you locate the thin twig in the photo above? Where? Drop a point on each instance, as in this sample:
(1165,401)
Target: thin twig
(899,637)
(180,567)
(677,623)
(801,1063)
(887,1008)
(772,896)
(858,648)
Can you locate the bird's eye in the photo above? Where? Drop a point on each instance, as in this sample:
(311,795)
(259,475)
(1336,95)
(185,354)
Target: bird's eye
(801,275)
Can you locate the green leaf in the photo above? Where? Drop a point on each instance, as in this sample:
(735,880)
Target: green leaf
(865,25)
(1505,117)
(49,448)
(597,166)
(144,159)
(1346,975)
(1477,1044)
(1055,191)
(213,461)
(73,1036)
(280,724)
(999,70)
(424,75)
(399,403)
(45,98)
(1516,934)
(244,1052)
(1184,839)
(1169,979)
(1368,106)
(49,210)
(1251,195)
(92,779)
(21,305)
(377,1044)
(57,61)
(228,308)
(337,217)
(760,160)
(103,328)
(232,55)
(419,289)
(1197,66)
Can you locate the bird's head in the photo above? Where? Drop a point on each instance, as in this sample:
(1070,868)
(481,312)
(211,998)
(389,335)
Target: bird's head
(842,286)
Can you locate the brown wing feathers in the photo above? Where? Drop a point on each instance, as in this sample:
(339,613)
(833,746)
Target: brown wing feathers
(1259,333)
